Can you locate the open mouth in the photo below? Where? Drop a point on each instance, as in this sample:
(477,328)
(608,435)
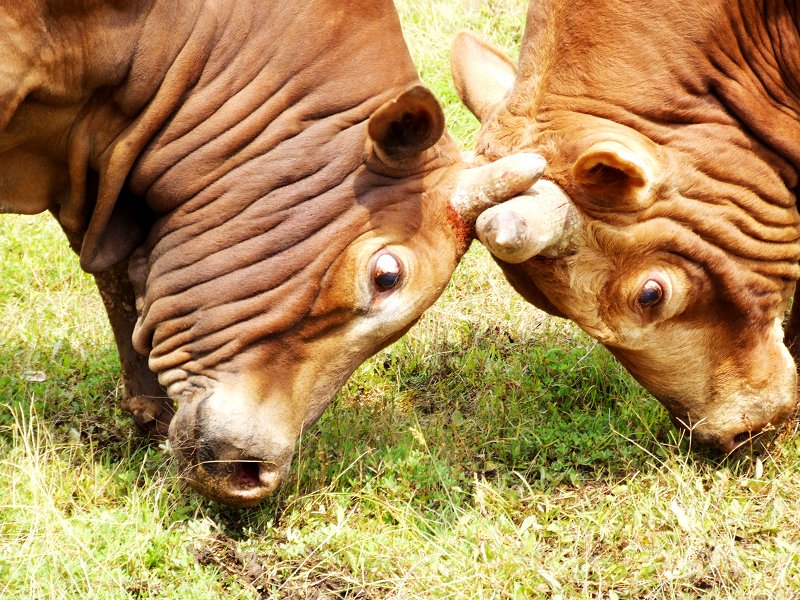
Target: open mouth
(246,474)
(240,483)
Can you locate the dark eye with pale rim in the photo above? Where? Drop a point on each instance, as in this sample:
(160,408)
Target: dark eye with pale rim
(650,294)
(386,272)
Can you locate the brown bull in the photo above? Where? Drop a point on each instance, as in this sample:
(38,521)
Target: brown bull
(666,225)
(264,193)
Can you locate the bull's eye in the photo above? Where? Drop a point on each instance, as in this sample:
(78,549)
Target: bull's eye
(386,272)
(650,294)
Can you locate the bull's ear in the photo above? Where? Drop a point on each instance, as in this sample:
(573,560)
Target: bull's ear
(481,73)
(616,176)
(407,125)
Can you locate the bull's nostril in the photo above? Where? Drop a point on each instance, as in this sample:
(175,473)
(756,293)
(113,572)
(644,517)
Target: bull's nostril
(269,475)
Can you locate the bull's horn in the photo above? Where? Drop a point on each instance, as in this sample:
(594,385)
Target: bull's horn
(541,222)
(478,188)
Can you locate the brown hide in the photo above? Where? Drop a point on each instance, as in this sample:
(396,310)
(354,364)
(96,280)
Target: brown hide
(673,128)
(276,183)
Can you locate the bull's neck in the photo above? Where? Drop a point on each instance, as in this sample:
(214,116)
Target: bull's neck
(757,74)
(651,67)
(259,83)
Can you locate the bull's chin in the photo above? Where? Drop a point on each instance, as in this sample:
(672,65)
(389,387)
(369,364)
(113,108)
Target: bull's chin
(240,484)
(743,442)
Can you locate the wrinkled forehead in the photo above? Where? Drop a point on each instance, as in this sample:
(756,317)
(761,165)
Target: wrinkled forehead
(557,134)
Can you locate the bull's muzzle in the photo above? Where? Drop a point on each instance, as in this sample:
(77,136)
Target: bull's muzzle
(234,458)
(226,474)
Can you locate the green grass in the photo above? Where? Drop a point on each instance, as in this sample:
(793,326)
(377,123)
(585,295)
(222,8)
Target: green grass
(491,453)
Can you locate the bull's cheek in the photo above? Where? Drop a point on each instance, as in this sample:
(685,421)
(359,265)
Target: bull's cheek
(662,380)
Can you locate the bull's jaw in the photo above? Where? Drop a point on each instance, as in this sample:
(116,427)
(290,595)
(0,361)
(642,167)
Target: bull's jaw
(235,444)
(726,394)
(234,434)
(234,441)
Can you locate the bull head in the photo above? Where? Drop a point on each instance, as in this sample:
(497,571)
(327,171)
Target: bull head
(685,276)
(255,314)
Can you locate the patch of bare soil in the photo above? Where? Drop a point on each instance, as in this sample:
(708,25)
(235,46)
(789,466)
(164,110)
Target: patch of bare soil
(285,580)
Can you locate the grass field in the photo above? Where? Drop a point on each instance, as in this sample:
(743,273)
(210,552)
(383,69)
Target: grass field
(491,453)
